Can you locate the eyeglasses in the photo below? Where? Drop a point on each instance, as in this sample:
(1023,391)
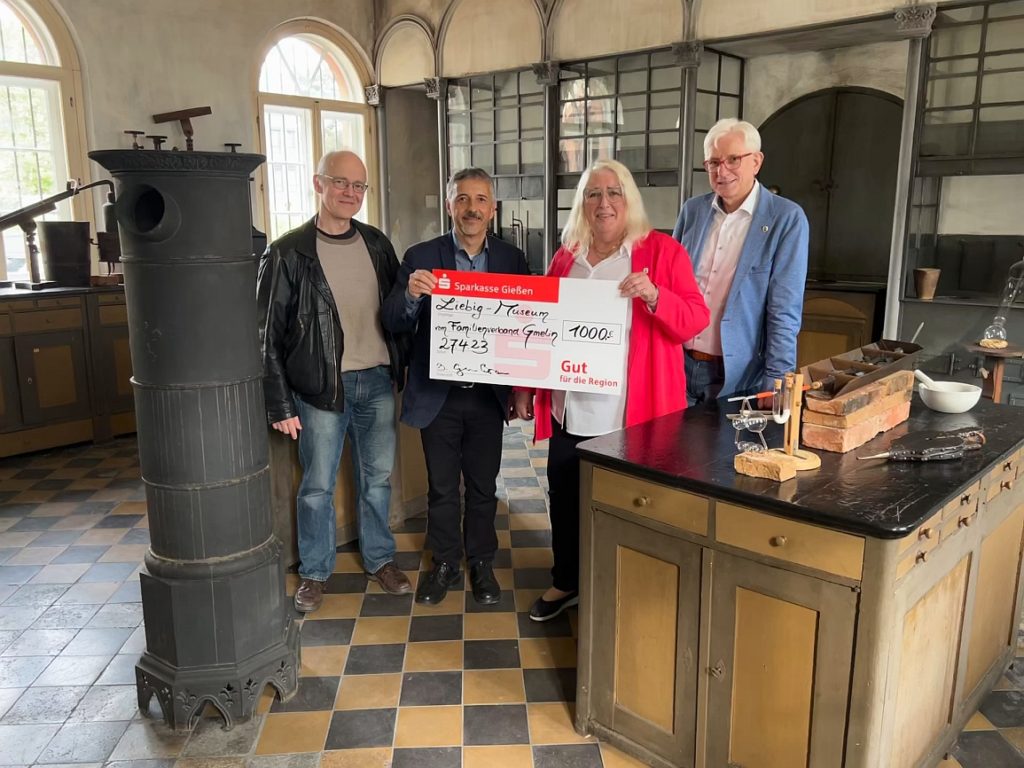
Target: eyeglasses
(731,162)
(341,184)
(614,194)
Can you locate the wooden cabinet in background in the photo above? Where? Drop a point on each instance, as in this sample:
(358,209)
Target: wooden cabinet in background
(65,369)
(836,321)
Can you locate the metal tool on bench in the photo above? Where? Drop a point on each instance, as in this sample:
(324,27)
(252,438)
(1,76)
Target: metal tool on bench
(932,445)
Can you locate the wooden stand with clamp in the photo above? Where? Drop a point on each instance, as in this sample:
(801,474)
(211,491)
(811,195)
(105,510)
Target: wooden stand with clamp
(781,464)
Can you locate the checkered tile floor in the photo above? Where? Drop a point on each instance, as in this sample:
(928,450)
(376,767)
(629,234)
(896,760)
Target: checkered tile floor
(384,682)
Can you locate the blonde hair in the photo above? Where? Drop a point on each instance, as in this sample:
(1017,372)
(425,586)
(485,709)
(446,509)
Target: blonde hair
(577,236)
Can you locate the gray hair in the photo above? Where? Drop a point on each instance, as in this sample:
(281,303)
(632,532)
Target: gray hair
(727,125)
(577,235)
(452,188)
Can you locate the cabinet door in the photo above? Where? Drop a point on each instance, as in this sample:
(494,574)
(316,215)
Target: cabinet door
(10,401)
(54,382)
(781,646)
(113,368)
(646,617)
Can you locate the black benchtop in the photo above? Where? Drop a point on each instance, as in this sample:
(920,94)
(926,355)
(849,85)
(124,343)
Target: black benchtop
(694,450)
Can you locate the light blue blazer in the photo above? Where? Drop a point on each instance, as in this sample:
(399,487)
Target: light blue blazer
(763,310)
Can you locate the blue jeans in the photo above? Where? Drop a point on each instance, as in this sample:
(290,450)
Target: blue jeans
(369,419)
(704,379)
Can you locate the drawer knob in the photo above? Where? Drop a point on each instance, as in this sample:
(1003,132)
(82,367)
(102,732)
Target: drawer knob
(1007,466)
(924,533)
(921,557)
(1006,485)
(963,522)
(642,501)
(718,670)
(778,541)
(965,499)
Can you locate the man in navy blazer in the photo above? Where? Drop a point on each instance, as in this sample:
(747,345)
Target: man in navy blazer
(460,424)
(749,253)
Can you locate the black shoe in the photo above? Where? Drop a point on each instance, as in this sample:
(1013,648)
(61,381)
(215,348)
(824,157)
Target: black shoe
(485,587)
(545,610)
(434,585)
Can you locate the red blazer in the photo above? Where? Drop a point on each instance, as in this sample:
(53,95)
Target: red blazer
(655,381)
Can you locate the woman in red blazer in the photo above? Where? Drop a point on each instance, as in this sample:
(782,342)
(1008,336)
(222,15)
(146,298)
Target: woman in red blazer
(608,237)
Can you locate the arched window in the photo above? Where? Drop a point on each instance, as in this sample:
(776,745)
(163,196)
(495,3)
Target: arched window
(311,102)
(37,123)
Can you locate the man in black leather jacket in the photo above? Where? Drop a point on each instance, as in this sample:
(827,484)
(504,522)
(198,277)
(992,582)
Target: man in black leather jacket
(330,369)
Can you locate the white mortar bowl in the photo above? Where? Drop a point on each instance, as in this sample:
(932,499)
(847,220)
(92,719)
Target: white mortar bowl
(950,396)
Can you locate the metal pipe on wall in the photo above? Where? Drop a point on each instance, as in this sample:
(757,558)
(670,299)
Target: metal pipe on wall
(904,181)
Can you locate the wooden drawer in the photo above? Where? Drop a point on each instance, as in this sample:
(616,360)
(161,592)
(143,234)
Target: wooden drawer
(964,504)
(686,511)
(64,301)
(51,320)
(116,314)
(110,298)
(917,555)
(957,523)
(808,545)
(928,530)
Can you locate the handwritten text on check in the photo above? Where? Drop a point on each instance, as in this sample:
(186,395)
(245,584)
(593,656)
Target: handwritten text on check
(542,332)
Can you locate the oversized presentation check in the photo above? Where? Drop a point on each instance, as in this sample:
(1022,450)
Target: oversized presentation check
(544,332)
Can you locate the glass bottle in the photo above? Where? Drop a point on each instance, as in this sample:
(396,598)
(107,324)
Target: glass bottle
(1014,282)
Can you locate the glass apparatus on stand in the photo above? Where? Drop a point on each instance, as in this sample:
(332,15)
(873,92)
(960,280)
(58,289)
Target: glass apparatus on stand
(995,334)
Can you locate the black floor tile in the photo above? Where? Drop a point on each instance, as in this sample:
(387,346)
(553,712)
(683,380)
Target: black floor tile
(550,684)
(361,728)
(108,572)
(495,724)
(386,605)
(88,554)
(314,694)
(531,538)
(33,524)
(6,553)
(100,472)
(32,474)
(432,757)
(82,463)
(556,627)
(375,659)
(63,496)
(17,574)
(6,496)
(118,521)
(349,546)
(421,689)
(503,558)
(506,604)
(521,482)
(136,536)
(531,506)
(50,485)
(1004,709)
(408,561)
(514,464)
(986,749)
(413,525)
(97,508)
(327,631)
(501,522)
(491,654)
(56,539)
(431,628)
(346,583)
(532,578)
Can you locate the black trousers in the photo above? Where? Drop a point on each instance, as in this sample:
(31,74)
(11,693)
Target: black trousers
(564,498)
(464,440)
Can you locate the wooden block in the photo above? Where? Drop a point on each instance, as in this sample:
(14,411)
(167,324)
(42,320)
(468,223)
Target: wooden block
(863,397)
(856,417)
(843,440)
(774,466)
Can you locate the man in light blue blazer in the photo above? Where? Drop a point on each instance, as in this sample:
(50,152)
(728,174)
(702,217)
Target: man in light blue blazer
(749,253)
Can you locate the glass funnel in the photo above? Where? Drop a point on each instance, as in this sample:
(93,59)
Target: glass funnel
(1014,283)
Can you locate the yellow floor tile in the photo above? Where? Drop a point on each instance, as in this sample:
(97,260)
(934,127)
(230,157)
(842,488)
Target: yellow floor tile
(13,539)
(410,542)
(267,696)
(493,686)
(111,494)
(491,757)
(429,727)
(1004,684)
(552,724)
(123,553)
(532,557)
(504,539)
(99,536)
(1015,736)
(381,630)
(324,661)
(130,508)
(506,579)
(528,521)
(949,762)
(540,463)
(90,484)
(55,509)
(348,562)
(289,732)
(526,597)
(345,606)
(455,602)
(518,472)
(614,758)
(13,484)
(68,473)
(979,722)
(33,497)
(368,692)
(8,522)
(356,758)
(547,652)
(489,626)
(433,657)
(291,583)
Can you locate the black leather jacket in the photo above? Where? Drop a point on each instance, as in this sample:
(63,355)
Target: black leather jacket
(300,329)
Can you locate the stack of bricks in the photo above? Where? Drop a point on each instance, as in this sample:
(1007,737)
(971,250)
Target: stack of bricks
(848,421)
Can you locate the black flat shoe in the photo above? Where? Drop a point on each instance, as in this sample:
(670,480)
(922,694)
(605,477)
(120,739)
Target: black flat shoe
(545,610)
(434,585)
(486,590)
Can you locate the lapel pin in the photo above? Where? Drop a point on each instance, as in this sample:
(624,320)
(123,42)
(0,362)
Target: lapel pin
(764,228)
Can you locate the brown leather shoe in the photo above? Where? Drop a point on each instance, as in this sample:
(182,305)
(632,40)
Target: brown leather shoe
(309,596)
(391,580)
